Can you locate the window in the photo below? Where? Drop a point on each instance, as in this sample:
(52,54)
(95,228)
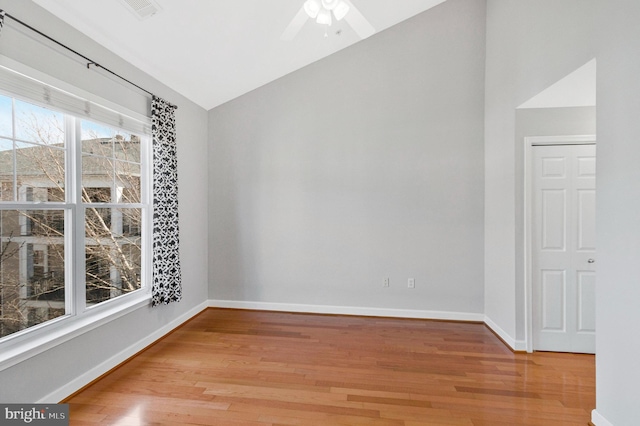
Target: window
(74,211)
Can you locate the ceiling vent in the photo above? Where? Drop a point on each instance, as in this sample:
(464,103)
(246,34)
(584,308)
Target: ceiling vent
(143,9)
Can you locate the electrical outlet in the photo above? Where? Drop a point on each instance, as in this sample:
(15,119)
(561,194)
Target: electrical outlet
(386,282)
(411,283)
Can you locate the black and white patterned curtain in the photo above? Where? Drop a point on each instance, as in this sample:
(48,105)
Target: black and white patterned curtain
(167,279)
(2,13)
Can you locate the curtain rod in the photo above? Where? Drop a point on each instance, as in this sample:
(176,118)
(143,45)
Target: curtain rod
(89,61)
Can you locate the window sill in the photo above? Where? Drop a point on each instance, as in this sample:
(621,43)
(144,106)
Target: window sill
(15,351)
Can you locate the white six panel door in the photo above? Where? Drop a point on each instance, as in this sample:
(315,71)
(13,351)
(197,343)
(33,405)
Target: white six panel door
(563,254)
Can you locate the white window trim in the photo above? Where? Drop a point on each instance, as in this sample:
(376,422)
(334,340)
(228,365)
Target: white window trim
(25,344)
(41,338)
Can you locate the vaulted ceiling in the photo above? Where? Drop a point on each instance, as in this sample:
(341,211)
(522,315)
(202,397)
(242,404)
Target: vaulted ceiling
(212,51)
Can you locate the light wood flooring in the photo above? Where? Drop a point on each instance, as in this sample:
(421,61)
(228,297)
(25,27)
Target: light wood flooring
(234,367)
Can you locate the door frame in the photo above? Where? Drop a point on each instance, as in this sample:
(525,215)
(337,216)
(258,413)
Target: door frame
(529,143)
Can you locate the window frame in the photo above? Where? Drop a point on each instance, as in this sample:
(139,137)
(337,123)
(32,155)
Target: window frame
(80,318)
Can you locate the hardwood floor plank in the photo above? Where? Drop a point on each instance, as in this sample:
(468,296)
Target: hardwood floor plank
(336,408)
(390,401)
(235,367)
(501,392)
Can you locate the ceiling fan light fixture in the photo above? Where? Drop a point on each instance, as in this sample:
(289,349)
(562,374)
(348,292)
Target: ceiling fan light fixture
(341,10)
(324,17)
(330,4)
(312,7)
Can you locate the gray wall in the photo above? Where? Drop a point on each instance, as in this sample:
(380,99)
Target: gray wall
(365,165)
(618,228)
(44,374)
(530,46)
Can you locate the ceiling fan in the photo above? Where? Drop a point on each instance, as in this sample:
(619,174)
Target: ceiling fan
(324,12)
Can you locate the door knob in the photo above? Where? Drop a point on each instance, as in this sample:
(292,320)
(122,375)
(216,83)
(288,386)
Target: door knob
(591,261)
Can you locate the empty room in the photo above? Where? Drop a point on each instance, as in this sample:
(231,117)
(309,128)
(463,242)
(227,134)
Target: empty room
(319,212)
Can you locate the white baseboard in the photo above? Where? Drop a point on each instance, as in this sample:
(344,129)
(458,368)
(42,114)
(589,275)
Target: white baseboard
(598,420)
(516,345)
(347,310)
(114,361)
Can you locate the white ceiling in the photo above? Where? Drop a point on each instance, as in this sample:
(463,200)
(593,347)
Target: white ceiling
(212,51)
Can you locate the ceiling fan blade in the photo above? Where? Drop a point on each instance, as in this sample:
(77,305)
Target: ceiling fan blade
(359,23)
(295,25)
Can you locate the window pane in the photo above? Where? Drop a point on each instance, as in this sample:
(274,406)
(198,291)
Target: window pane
(112,253)
(98,146)
(96,195)
(131,224)
(32,287)
(99,139)
(127,147)
(97,172)
(98,185)
(6,170)
(97,223)
(110,158)
(39,125)
(6,117)
(128,182)
(38,168)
